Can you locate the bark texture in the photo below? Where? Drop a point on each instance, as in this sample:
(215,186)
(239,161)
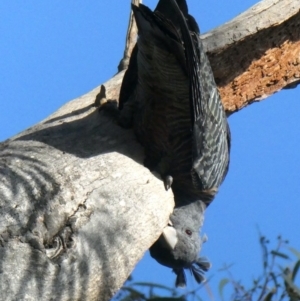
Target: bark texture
(78,209)
(130,39)
(257,53)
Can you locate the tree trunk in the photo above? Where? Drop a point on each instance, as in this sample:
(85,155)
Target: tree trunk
(78,209)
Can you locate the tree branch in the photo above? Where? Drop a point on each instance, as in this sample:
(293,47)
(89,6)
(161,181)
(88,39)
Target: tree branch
(257,53)
(78,209)
(130,39)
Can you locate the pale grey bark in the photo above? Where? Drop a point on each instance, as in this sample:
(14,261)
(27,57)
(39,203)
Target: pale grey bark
(264,14)
(78,209)
(130,39)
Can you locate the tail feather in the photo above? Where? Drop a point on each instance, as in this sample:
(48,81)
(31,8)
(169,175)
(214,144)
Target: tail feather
(161,29)
(163,6)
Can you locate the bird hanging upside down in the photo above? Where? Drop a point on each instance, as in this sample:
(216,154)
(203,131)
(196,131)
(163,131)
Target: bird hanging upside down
(170,97)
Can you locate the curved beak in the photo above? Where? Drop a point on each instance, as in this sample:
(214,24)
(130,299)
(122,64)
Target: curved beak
(170,236)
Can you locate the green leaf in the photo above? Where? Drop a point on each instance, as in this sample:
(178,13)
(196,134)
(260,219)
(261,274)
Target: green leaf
(295,270)
(295,252)
(279,254)
(222,284)
(131,298)
(269,296)
(291,288)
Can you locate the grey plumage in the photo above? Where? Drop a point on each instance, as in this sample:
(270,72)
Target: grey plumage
(170,97)
(180,243)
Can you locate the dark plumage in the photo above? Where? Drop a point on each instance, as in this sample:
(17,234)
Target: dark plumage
(170,97)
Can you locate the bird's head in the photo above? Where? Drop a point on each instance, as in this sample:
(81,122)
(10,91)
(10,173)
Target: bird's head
(180,243)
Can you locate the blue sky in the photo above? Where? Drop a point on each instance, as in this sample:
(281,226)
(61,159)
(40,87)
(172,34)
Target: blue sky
(54,51)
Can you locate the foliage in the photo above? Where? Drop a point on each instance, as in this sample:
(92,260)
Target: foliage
(277,281)
(130,292)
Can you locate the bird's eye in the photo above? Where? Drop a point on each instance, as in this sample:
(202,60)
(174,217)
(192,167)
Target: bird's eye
(188,232)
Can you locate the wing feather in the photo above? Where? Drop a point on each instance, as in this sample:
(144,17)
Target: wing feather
(211,134)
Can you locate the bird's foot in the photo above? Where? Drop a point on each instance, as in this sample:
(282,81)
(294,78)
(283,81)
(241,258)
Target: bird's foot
(168,180)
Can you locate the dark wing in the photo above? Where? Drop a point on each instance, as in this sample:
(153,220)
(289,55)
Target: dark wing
(159,25)
(130,78)
(211,135)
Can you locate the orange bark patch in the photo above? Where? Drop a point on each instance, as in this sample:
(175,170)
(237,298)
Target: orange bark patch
(258,66)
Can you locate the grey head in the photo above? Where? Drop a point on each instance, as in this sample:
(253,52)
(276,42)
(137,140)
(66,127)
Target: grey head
(179,245)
